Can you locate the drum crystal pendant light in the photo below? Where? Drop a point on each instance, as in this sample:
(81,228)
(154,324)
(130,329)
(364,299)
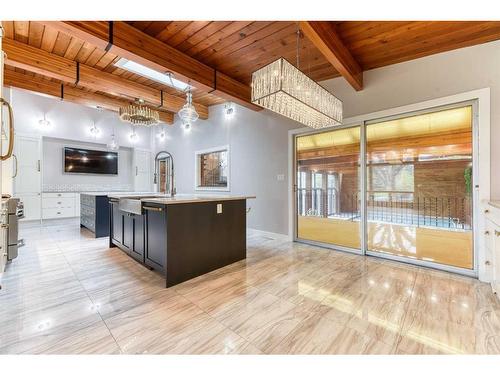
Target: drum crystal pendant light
(139,114)
(284,89)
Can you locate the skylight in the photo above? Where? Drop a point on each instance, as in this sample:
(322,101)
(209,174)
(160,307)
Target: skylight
(146,72)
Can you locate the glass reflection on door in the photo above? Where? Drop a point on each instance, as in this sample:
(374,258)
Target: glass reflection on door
(328,206)
(419,187)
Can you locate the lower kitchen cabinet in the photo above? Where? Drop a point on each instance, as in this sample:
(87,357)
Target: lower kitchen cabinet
(127,232)
(116,223)
(60,205)
(184,240)
(156,237)
(94,214)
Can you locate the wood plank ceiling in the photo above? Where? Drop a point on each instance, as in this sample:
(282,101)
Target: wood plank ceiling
(238,48)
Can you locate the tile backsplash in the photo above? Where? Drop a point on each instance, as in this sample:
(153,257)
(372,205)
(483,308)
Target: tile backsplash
(85,187)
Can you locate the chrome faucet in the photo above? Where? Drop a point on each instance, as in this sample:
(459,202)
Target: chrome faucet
(159,157)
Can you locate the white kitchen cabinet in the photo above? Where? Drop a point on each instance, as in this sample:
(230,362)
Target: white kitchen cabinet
(492,246)
(142,170)
(27,175)
(28,165)
(60,205)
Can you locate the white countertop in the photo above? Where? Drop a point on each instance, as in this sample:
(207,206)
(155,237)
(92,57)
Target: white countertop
(196,199)
(117,194)
(179,198)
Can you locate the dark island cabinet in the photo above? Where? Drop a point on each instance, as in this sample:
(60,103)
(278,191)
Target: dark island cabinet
(127,232)
(182,241)
(94,214)
(116,223)
(156,237)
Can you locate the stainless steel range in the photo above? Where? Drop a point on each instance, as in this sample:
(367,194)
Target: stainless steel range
(12,210)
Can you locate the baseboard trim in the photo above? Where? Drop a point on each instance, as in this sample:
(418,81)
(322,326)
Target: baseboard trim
(275,236)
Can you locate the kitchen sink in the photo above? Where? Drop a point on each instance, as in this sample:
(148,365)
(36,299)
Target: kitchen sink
(133,204)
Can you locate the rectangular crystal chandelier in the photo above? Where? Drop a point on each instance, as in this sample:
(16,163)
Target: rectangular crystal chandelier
(284,89)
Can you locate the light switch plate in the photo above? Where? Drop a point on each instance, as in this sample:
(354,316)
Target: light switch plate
(219,208)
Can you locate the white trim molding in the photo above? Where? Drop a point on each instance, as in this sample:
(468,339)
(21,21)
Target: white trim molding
(270,235)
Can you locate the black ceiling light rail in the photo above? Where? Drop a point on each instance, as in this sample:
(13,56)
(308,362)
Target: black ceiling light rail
(77,72)
(110,36)
(215,82)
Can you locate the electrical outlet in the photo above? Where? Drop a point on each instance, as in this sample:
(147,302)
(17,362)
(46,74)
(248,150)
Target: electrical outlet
(219,208)
(280,177)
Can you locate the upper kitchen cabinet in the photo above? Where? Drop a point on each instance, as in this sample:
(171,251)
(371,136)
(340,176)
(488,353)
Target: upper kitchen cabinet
(27,166)
(142,170)
(26,175)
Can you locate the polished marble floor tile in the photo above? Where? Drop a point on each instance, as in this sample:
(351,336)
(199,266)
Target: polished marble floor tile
(68,293)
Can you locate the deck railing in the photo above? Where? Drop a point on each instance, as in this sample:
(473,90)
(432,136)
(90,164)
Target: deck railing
(393,207)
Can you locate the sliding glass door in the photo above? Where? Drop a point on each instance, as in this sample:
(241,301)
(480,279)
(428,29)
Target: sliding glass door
(327,188)
(419,187)
(416,178)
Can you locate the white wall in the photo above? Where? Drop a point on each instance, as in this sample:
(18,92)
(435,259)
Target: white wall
(71,121)
(70,126)
(258,154)
(428,78)
(54,178)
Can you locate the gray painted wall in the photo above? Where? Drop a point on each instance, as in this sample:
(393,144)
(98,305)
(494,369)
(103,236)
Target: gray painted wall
(258,154)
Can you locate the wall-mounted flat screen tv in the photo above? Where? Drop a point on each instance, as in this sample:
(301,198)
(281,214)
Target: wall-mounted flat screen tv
(78,160)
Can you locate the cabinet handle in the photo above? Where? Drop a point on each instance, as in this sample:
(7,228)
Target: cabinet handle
(486,211)
(487,263)
(15,163)
(136,170)
(4,102)
(38,165)
(487,232)
(156,209)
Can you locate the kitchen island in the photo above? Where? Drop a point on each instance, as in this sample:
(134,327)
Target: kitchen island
(183,236)
(94,210)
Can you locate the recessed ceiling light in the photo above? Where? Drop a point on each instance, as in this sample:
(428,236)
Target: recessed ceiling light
(165,78)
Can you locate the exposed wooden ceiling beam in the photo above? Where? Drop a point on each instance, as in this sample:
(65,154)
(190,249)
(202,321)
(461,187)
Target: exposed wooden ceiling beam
(128,42)
(323,35)
(70,93)
(36,60)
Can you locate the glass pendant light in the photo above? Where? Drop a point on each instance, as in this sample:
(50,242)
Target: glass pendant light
(162,135)
(112,145)
(188,112)
(94,130)
(44,123)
